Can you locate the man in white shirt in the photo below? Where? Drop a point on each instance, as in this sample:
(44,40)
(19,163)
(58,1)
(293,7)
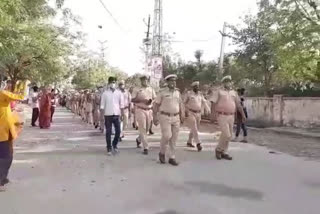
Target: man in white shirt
(112,105)
(35,106)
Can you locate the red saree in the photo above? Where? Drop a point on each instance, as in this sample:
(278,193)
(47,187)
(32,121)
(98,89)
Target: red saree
(45,111)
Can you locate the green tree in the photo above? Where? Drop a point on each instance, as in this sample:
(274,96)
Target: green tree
(30,47)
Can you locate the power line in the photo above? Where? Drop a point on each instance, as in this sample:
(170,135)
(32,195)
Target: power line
(110,14)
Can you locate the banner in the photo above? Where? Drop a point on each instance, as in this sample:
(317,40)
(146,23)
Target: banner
(156,68)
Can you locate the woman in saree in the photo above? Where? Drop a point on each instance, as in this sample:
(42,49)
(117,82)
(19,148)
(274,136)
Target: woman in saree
(10,127)
(45,109)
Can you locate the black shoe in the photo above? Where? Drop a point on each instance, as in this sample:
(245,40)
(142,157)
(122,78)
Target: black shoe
(190,145)
(133,125)
(173,162)
(145,151)
(218,155)
(5,181)
(226,156)
(138,143)
(96,126)
(120,139)
(199,147)
(151,132)
(162,158)
(137,127)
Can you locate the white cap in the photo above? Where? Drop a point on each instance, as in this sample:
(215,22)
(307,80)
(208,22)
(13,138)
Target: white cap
(228,77)
(171,76)
(195,83)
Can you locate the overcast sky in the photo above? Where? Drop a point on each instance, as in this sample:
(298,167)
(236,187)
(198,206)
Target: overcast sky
(189,19)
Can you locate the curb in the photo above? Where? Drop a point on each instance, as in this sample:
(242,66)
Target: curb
(280,131)
(284,132)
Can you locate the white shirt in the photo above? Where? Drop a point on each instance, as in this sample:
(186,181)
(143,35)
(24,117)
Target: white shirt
(112,102)
(36,103)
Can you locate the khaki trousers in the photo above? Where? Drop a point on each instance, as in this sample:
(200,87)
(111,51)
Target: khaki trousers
(170,127)
(144,118)
(102,125)
(193,122)
(225,123)
(96,116)
(135,116)
(125,122)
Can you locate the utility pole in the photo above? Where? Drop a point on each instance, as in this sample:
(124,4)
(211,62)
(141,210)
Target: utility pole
(157,29)
(102,45)
(157,42)
(147,43)
(102,48)
(223,43)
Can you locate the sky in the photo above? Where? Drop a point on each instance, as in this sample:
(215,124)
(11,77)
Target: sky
(186,20)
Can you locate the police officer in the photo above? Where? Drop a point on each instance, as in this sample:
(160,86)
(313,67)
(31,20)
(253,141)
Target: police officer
(169,105)
(143,98)
(194,101)
(225,102)
(127,107)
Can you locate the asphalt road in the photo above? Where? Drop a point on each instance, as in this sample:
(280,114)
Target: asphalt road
(65,170)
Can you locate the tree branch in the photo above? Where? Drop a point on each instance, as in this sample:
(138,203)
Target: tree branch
(314,6)
(304,12)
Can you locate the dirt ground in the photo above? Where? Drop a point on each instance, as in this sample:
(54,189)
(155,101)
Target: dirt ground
(299,146)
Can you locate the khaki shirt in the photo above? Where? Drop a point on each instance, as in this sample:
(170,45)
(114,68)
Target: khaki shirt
(194,101)
(225,100)
(144,93)
(169,101)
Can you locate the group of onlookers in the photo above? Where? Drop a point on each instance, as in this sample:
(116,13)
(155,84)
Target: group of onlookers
(43,105)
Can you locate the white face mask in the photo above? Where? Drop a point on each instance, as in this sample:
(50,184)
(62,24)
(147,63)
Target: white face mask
(112,85)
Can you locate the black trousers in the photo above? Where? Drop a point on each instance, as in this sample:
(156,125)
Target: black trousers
(35,116)
(242,126)
(52,112)
(5,161)
(109,121)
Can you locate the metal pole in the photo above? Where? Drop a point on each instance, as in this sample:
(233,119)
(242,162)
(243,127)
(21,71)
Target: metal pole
(223,41)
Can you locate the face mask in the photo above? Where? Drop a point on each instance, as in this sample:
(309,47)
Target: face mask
(112,85)
(195,89)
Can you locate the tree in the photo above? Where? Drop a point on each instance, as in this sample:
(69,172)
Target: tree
(30,47)
(198,55)
(91,72)
(256,53)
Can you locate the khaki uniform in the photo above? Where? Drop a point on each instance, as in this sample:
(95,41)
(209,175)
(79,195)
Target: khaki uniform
(127,103)
(194,102)
(96,109)
(102,124)
(169,107)
(225,108)
(143,112)
(89,109)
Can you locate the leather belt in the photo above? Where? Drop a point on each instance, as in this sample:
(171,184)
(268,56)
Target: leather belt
(146,109)
(194,111)
(169,114)
(224,113)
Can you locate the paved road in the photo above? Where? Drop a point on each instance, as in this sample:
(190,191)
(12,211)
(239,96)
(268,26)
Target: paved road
(65,170)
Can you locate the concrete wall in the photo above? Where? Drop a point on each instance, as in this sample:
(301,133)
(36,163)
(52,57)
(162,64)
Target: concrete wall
(285,111)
